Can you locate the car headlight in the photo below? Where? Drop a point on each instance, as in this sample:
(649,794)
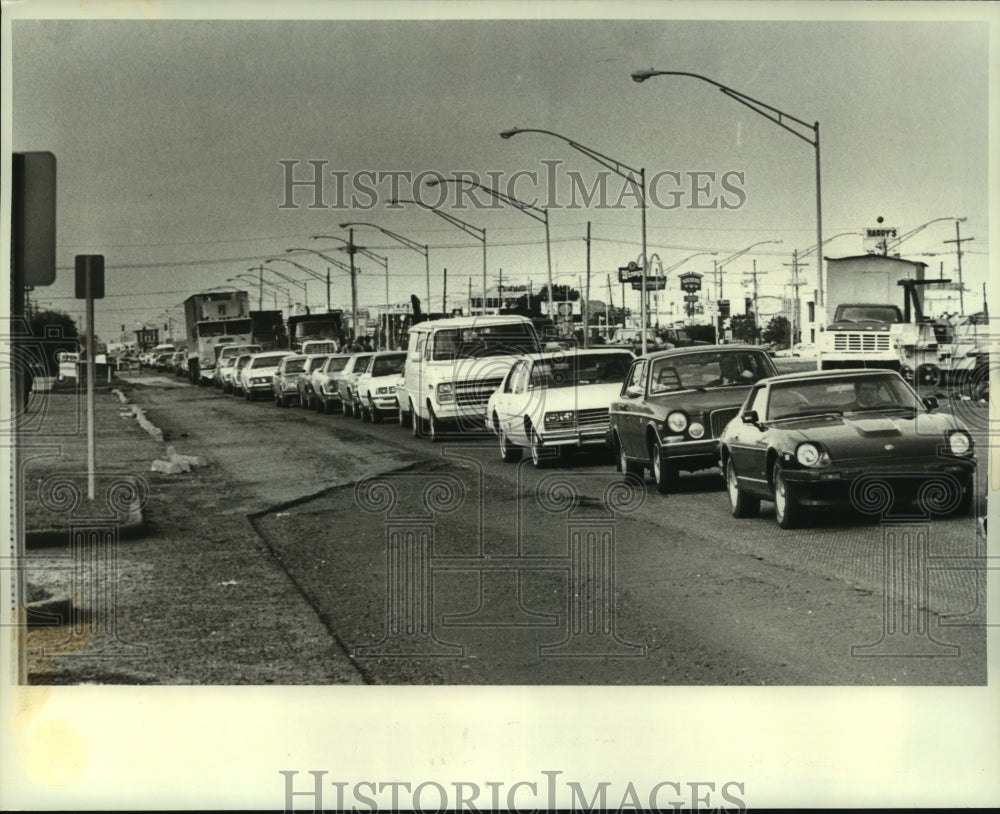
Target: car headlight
(811,455)
(696,430)
(384,391)
(677,422)
(561,418)
(445,392)
(960,443)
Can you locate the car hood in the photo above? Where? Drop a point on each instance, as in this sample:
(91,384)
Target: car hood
(585,397)
(855,435)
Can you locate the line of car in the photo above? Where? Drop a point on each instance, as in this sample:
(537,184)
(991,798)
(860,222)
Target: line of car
(804,441)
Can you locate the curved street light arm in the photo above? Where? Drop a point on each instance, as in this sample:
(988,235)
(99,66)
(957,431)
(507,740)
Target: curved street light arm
(617,167)
(762,108)
(289,279)
(410,244)
(383,261)
(468,228)
(894,243)
(330,260)
(742,252)
(541,215)
(299,266)
(811,249)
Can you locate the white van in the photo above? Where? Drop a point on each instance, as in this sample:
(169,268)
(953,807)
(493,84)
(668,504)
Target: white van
(454,365)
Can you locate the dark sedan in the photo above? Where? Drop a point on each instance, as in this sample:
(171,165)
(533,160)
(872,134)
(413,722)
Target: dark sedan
(845,438)
(674,404)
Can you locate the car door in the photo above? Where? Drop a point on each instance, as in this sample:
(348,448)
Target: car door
(507,398)
(627,411)
(748,442)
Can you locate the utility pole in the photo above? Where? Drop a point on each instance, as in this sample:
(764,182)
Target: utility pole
(795,295)
(958,241)
(444,296)
(756,320)
(586,298)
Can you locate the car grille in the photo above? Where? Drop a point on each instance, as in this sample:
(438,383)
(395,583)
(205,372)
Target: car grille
(475,394)
(593,419)
(718,419)
(860,342)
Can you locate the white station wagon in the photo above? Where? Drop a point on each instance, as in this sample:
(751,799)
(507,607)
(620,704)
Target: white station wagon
(556,401)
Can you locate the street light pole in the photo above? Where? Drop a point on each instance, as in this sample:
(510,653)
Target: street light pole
(354,285)
(468,228)
(424,249)
(383,261)
(779,118)
(623,171)
(539,214)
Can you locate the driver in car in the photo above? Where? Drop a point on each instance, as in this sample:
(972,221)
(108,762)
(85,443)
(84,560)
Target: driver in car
(729,367)
(865,394)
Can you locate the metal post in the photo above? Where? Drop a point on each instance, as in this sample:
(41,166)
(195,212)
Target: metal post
(91,365)
(444,294)
(354,285)
(484,276)
(645,262)
(586,302)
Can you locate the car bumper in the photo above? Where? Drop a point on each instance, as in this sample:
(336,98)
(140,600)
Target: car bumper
(386,404)
(866,484)
(574,437)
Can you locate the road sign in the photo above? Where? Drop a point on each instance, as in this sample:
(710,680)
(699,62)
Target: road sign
(633,271)
(652,284)
(691,281)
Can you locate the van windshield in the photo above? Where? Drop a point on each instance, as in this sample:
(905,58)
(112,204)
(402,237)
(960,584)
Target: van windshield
(483,340)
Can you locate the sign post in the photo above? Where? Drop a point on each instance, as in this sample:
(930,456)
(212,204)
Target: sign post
(90,285)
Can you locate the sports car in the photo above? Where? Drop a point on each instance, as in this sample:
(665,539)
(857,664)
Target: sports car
(555,402)
(844,438)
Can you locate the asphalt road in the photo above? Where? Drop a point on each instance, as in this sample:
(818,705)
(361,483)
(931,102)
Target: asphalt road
(435,563)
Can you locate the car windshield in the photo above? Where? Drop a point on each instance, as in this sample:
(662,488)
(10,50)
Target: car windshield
(484,340)
(839,395)
(387,365)
(265,361)
(573,371)
(336,363)
(716,368)
(868,313)
(316,362)
(295,365)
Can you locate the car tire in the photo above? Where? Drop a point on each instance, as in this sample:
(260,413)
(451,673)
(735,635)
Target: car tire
(359,411)
(509,453)
(740,503)
(374,414)
(435,430)
(665,472)
(403,417)
(625,466)
(417,423)
(540,456)
(347,407)
(787,510)
(928,375)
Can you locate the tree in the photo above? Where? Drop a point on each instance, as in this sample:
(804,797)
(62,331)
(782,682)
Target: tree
(777,330)
(744,328)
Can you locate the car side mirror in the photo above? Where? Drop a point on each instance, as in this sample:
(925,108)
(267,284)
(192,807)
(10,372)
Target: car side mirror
(930,402)
(750,417)
(632,392)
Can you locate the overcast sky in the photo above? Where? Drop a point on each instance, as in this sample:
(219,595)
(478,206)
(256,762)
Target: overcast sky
(169,137)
